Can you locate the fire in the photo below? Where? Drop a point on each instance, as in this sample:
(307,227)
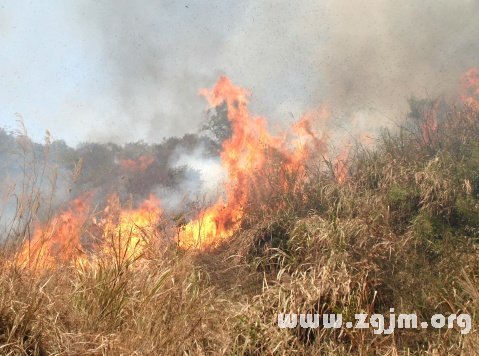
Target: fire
(211,226)
(429,126)
(59,240)
(340,165)
(127,234)
(120,233)
(139,165)
(470,88)
(307,140)
(249,156)
(468,94)
(245,154)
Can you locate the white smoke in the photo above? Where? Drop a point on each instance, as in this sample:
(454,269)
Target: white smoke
(203,182)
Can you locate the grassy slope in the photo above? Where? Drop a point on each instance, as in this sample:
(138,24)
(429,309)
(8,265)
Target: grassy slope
(402,232)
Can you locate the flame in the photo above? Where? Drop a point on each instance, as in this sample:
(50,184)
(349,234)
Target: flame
(470,88)
(126,234)
(340,165)
(141,164)
(245,154)
(429,125)
(120,233)
(247,158)
(59,240)
(307,140)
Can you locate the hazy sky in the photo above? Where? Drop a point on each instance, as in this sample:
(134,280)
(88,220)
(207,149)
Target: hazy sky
(129,70)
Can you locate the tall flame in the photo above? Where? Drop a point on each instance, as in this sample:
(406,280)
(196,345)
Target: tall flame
(243,155)
(246,157)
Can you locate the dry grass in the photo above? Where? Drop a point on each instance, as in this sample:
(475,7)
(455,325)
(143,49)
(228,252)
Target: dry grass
(402,232)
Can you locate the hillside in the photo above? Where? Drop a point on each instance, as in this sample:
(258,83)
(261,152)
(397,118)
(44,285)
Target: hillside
(401,231)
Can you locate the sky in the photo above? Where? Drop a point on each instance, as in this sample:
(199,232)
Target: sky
(123,71)
(51,76)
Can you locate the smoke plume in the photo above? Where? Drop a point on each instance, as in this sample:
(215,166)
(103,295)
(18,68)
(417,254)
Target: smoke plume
(359,57)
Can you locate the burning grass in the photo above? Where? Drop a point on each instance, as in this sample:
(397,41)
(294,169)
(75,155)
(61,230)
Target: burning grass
(394,225)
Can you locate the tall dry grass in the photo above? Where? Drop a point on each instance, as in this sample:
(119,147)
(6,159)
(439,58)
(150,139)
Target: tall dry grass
(400,232)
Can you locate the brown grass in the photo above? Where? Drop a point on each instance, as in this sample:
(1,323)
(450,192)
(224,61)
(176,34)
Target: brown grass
(402,232)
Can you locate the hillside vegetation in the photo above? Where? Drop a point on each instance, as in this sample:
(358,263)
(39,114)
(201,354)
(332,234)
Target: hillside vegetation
(400,232)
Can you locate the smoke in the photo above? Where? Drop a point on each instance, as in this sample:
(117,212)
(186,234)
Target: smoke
(30,178)
(380,52)
(158,54)
(203,181)
(362,57)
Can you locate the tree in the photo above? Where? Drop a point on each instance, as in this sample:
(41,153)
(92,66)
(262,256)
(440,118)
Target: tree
(218,124)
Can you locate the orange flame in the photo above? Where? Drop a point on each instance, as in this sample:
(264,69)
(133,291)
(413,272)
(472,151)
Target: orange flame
(429,125)
(139,165)
(246,157)
(123,234)
(470,88)
(128,235)
(306,138)
(243,155)
(57,241)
